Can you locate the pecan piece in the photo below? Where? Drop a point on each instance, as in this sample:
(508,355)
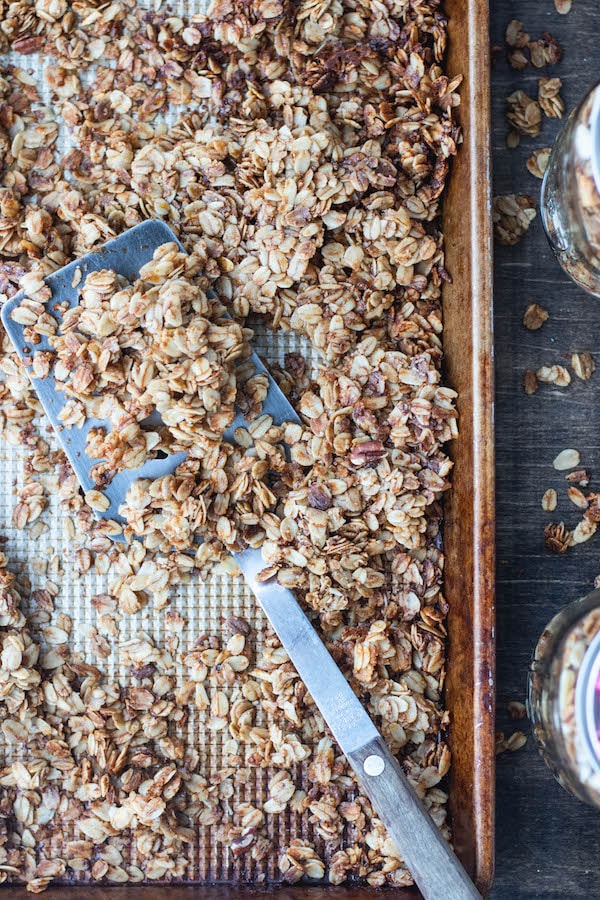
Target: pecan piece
(367,454)
(30,44)
(530,382)
(592,513)
(556,537)
(242,844)
(534,316)
(580,477)
(319,496)
(238,625)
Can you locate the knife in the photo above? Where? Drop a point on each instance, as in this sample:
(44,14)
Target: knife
(432,863)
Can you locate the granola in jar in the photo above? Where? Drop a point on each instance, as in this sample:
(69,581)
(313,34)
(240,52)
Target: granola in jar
(564,697)
(570,200)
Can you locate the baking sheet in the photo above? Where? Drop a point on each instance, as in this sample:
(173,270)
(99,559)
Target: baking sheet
(204,605)
(469,514)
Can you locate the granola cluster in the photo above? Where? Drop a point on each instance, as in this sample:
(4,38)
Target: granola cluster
(110,763)
(303,176)
(513,213)
(127,351)
(557,537)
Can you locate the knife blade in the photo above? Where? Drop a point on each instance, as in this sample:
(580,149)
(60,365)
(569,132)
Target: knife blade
(432,863)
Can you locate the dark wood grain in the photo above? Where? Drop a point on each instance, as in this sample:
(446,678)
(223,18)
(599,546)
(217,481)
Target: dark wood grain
(547,842)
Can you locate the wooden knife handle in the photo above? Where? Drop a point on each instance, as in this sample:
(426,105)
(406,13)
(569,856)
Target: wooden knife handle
(432,863)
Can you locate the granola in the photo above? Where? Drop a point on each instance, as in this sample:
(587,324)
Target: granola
(583,365)
(303,176)
(567,459)
(557,537)
(524,116)
(558,375)
(512,215)
(549,500)
(530,382)
(522,51)
(535,316)
(549,97)
(127,351)
(538,162)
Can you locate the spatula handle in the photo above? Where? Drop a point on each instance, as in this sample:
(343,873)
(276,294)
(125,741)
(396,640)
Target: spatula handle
(434,867)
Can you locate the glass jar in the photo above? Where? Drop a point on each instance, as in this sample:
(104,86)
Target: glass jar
(570,201)
(564,697)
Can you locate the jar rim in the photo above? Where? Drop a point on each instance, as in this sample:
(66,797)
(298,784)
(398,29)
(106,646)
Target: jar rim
(595,130)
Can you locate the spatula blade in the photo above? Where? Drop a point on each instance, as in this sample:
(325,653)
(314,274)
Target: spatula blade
(125,255)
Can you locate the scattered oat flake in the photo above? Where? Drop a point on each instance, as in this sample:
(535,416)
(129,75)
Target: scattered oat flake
(518,59)
(538,162)
(563,6)
(535,316)
(516,741)
(512,215)
(556,537)
(583,365)
(524,114)
(514,35)
(557,375)
(97,500)
(516,709)
(513,139)
(577,497)
(566,459)
(585,530)
(549,97)
(530,382)
(549,500)
(545,52)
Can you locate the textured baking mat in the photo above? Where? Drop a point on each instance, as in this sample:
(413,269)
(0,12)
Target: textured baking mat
(204,605)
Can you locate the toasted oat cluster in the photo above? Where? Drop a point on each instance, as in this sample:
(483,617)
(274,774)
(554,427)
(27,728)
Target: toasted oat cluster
(303,176)
(128,351)
(112,765)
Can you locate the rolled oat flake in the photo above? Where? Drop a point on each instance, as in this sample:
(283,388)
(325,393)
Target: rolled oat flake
(564,697)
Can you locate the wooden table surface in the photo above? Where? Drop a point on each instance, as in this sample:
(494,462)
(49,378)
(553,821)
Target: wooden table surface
(548,844)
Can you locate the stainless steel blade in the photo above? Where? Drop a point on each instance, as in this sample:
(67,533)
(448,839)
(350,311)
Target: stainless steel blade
(339,705)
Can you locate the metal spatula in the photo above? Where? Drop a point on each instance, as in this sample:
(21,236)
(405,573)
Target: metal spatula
(432,863)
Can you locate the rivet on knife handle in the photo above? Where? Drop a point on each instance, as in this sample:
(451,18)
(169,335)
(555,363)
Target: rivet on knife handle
(434,867)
